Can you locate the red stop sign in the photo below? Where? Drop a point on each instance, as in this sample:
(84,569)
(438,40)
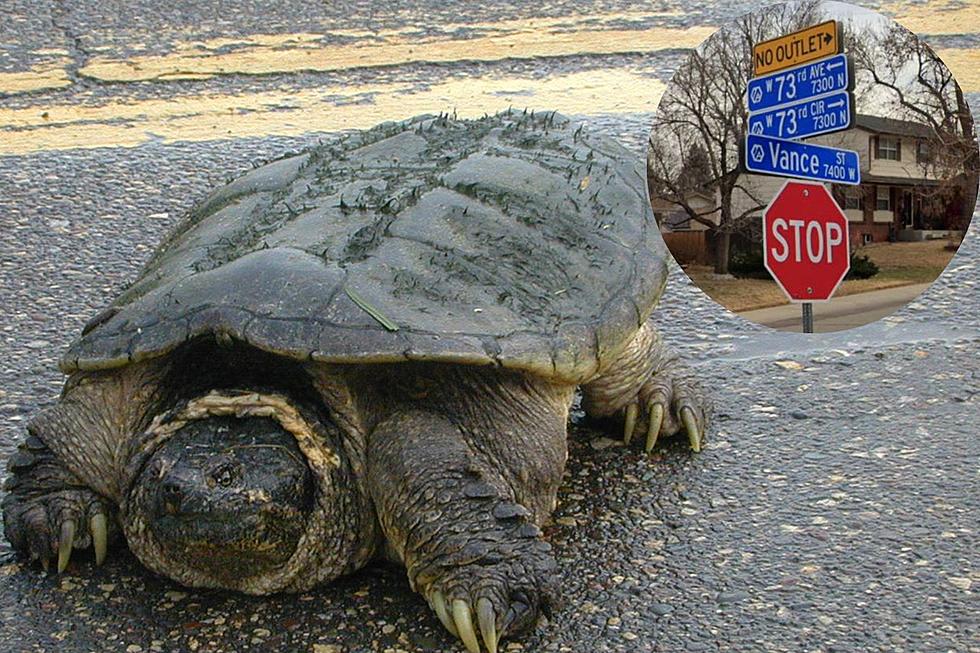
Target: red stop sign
(805,241)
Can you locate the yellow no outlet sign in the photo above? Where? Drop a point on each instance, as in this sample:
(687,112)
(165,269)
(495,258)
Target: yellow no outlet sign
(805,45)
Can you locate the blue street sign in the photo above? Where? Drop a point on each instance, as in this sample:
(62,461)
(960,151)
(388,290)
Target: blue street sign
(775,156)
(799,83)
(819,115)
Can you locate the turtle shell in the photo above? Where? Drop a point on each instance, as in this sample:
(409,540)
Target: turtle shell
(518,240)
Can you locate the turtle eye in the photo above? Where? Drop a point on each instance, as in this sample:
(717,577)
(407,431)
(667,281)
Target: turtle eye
(225,474)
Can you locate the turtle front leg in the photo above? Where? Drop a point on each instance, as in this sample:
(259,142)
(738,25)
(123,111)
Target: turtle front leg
(652,390)
(48,511)
(64,482)
(450,515)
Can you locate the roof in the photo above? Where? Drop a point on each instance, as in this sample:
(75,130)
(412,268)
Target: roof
(897,181)
(676,220)
(881,125)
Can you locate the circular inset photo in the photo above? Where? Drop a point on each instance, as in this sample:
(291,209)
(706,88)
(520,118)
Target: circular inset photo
(813,166)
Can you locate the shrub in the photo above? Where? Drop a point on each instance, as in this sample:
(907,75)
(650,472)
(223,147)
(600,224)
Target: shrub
(747,265)
(862,267)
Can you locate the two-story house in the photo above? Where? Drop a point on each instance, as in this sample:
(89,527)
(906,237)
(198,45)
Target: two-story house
(896,200)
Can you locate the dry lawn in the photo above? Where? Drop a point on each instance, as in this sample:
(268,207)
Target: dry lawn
(900,264)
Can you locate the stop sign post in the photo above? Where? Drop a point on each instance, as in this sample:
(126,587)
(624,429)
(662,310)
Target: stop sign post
(805,244)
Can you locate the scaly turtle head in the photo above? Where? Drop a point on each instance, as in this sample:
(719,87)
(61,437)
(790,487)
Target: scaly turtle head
(243,491)
(229,495)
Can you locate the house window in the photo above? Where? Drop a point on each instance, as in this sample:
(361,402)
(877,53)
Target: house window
(883,199)
(922,152)
(678,220)
(854,198)
(888,147)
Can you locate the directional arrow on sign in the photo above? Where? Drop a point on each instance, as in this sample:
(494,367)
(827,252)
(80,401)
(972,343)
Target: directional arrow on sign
(805,45)
(818,115)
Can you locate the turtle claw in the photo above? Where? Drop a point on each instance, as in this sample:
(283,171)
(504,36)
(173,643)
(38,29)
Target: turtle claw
(464,625)
(438,603)
(487,619)
(654,423)
(630,424)
(49,526)
(458,620)
(480,608)
(100,536)
(669,406)
(694,434)
(65,543)
(651,390)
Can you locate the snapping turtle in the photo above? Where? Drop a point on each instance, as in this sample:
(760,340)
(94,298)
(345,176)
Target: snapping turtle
(368,348)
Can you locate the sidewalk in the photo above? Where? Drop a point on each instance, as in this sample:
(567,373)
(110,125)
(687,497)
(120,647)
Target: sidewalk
(840,312)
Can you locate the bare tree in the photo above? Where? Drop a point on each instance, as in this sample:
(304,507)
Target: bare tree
(701,123)
(917,86)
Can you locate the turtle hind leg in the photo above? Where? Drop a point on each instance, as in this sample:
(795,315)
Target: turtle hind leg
(652,391)
(48,511)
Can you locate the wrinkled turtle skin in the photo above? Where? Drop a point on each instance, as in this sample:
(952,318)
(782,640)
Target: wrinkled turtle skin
(366,349)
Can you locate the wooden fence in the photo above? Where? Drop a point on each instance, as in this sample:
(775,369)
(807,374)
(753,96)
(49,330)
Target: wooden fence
(689,247)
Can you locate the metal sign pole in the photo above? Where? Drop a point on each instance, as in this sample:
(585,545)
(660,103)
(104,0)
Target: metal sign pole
(802,85)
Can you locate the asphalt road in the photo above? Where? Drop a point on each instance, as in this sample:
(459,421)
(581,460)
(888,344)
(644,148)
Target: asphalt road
(834,508)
